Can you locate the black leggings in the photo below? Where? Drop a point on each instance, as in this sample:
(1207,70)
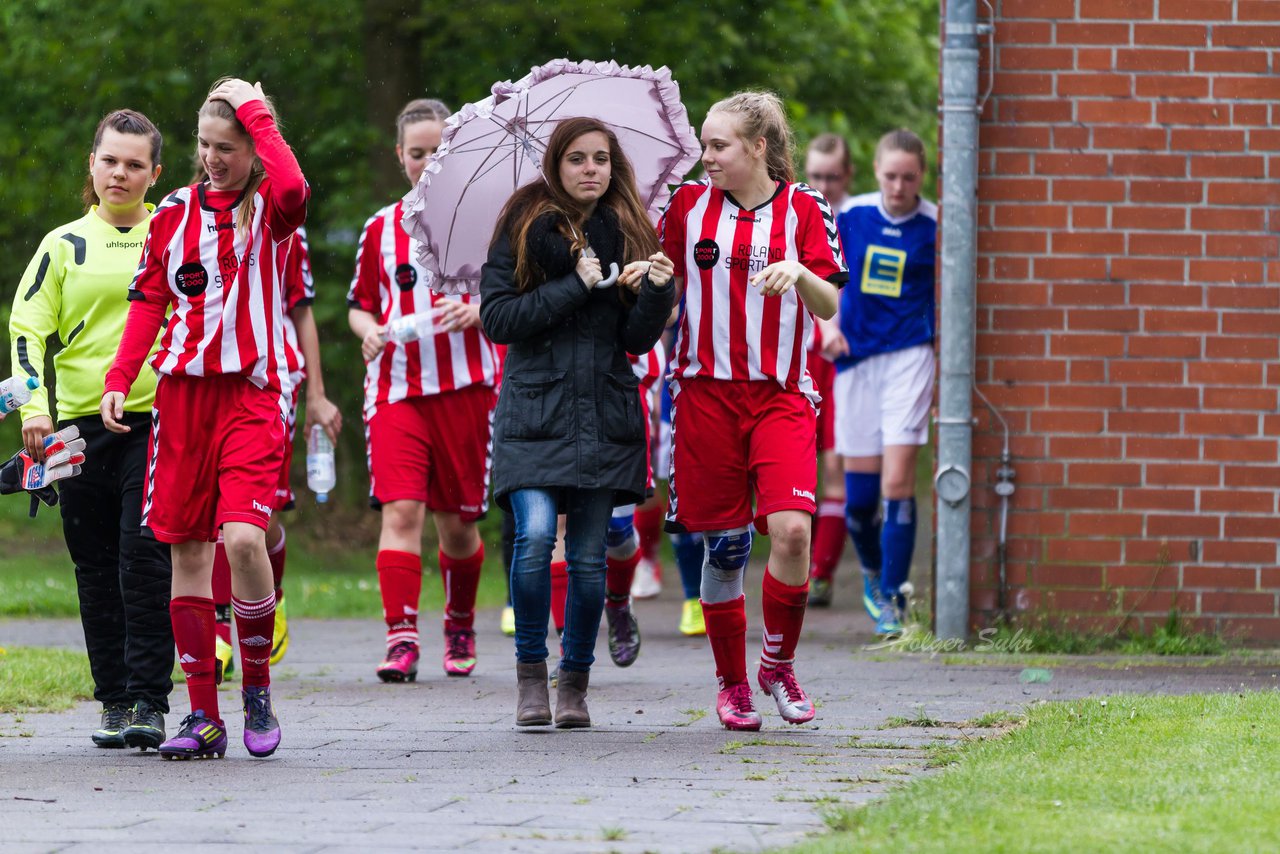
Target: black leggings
(123,576)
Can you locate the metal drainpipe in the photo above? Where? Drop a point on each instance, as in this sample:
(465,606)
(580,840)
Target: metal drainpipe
(952,483)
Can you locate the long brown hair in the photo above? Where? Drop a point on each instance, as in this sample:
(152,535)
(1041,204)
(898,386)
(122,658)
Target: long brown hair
(220,109)
(122,121)
(639,238)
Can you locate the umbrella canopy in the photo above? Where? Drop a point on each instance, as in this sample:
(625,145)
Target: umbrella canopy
(491,148)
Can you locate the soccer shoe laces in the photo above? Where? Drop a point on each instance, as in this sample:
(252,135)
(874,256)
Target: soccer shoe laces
(458,644)
(740,697)
(785,675)
(258,710)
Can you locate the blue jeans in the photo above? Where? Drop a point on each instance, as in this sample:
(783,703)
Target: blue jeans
(587,512)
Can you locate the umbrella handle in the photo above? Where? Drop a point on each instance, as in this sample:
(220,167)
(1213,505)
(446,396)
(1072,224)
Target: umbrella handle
(613,276)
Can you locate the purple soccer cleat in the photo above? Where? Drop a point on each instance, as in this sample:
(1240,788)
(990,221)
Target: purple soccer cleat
(261,729)
(198,738)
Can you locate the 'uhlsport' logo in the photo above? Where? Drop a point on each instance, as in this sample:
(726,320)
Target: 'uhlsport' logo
(191,279)
(706,253)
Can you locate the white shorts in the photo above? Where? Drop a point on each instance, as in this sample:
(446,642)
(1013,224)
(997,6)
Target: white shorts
(884,400)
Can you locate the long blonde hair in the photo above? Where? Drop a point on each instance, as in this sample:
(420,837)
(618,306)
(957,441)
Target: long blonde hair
(761,114)
(220,109)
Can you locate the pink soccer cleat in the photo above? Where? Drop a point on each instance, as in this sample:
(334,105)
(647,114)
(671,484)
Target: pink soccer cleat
(793,704)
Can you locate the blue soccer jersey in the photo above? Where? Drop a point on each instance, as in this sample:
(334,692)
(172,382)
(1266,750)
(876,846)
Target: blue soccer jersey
(889,303)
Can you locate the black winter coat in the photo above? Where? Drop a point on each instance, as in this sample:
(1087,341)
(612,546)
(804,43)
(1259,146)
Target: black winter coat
(568,413)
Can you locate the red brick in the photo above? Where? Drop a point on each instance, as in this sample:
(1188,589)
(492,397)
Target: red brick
(1029,293)
(1016,396)
(1250,193)
(1037,319)
(1198,525)
(1037,9)
(1206,140)
(1121,9)
(1148,217)
(1090,216)
(1024,32)
(1125,137)
(1070,601)
(1164,347)
(1264,139)
(1103,319)
(1011,240)
(1009,268)
(1104,474)
(1028,370)
(1183,474)
(1252,527)
(1240,296)
(1171,86)
(1238,245)
(1160,551)
(1157,320)
(1192,35)
(1157,601)
(1228,219)
(1069,575)
(1212,602)
(1240,551)
(1142,576)
(1034,110)
(1084,499)
(1035,58)
(1086,397)
(1011,83)
(1220,576)
(1056,268)
(1166,245)
(1162,397)
(1251,630)
(1254,399)
(1092,32)
(1221,424)
(1113,112)
(1192,114)
(1144,423)
(1070,421)
(1105,525)
(1239,61)
(1187,296)
(1067,190)
(1031,216)
(1101,346)
(1085,551)
(1224,373)
(1070,137)
(1251,323)
(1240,450)
(1094,59)
(1053,163)
(1147,371)
(1245,35)
(1147,447)
(1268,476)
(1147,269)
(1254,115)
(1039,524)
(1257,10)
(1257,88)
(1013,189)
(1153,165)
(1011,344)
(1238,500)
(1095,84)
(1012,163)
(1243,272)
(1087,371)
(991,137)
(1091,294)
(1152,59)
(1087,243)
(1195,10)
(1085,447)
(1227,166)
(1165,192)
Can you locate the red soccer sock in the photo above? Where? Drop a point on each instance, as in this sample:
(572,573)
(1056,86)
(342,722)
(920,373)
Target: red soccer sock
(192,618)
(222,630)
(619,573)
(559,592)
(255,624)
(275,556)
(829,535)
(649,526)
(783,607)
(727,633)
(461,577)
(221,575)
(400,579)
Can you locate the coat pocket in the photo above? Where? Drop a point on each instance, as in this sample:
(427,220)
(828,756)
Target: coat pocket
(536,403)
(623,421)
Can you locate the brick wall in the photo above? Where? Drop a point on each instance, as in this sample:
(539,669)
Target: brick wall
(1128,296)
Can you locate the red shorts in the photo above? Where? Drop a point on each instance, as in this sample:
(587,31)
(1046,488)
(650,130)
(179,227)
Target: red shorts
(433,449)
(284,486)
(215,455)
(732,438)
(824,377)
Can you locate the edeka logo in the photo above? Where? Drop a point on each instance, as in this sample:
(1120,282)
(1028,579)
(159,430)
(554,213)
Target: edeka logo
(191,279)
(706,253)
(406,277)
(882,271)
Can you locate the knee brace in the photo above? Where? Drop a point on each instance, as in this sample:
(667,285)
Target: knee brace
(620,540)
(727,553)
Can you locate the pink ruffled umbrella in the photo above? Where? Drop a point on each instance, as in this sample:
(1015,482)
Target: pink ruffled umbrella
(492,147)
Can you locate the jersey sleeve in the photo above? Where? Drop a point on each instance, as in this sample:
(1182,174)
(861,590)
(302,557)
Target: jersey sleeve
(299,285)
(817,238)
(366,283)
(671,227)
(36,308)
(287,201)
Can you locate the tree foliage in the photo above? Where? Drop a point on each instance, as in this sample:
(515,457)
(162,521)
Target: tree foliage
(339,71)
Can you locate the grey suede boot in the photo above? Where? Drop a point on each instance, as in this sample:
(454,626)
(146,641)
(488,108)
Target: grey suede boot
(533,706)
(571,700)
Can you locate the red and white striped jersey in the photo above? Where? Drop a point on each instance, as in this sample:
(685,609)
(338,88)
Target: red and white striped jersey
(299,289)
(389,283)
(649,368)
(224,285)
(728,330)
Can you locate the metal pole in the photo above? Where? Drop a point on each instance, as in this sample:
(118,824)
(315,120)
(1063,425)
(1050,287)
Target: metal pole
(956,333)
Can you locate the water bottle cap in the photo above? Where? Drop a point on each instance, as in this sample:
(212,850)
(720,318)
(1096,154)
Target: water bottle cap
(322,498)
(33,383)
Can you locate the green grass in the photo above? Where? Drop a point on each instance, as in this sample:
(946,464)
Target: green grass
(37,679)
(1123,773)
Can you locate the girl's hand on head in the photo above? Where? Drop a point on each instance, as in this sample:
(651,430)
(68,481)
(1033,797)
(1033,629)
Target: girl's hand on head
(112,410)
(778,278)
(455,316)
(661,268)
(633,274)
(237,93)
(372,343)
(588,270)
(34,430)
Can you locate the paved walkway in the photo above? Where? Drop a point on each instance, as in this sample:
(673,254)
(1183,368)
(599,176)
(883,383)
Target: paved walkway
(438,765)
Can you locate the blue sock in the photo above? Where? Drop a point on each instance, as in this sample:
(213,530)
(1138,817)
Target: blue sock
(688,549)
(861,504)
(898,540)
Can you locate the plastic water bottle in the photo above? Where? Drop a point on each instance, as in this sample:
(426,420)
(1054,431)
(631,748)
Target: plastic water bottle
(16,392)
(321,475)
(411,327)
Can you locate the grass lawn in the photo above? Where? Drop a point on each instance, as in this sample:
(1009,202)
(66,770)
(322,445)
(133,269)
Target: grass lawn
(36,679)
(1122,773)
